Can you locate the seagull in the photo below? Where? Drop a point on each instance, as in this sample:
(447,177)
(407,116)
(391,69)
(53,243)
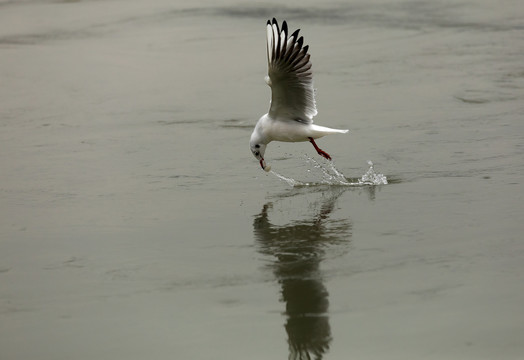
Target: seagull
(292,106)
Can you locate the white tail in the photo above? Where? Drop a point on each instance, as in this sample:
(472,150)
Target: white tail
(319,131)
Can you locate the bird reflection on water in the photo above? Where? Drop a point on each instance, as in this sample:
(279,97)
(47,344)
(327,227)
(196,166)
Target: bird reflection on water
(298,248)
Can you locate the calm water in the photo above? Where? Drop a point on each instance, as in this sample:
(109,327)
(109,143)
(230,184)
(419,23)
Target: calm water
(135,223)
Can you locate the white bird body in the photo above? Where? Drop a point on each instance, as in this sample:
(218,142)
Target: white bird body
(288,130)
(290,116)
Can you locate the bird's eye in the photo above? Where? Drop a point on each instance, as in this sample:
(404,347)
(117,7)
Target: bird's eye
(257,146)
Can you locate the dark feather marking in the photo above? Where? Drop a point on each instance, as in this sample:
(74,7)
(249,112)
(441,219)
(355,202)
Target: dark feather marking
(290,60)
(303,62)
(278,44)
(298,60)
(294,36)
(274,41)
(292,47)
(304,69)
(300,42)
(276,24)
(284,45)
(293,57)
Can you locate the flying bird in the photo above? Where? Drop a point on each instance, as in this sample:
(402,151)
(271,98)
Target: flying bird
(292,108)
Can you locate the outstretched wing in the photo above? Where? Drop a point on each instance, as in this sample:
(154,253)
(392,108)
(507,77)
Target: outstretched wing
(289,75)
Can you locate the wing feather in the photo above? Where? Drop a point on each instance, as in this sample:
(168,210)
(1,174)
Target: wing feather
(289,75)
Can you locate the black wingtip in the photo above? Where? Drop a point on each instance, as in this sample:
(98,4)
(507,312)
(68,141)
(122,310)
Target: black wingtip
(300,41)
(295,34)
(284,26)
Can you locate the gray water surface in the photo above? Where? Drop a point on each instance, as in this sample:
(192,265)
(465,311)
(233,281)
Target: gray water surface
(135,223)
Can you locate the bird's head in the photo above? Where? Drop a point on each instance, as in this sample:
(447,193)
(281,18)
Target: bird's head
(258,150)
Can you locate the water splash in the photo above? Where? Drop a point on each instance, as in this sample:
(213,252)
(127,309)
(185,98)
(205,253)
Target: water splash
(291,182)
(332,176)
(372,178)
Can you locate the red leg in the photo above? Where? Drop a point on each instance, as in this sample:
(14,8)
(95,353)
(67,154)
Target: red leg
(319,150)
